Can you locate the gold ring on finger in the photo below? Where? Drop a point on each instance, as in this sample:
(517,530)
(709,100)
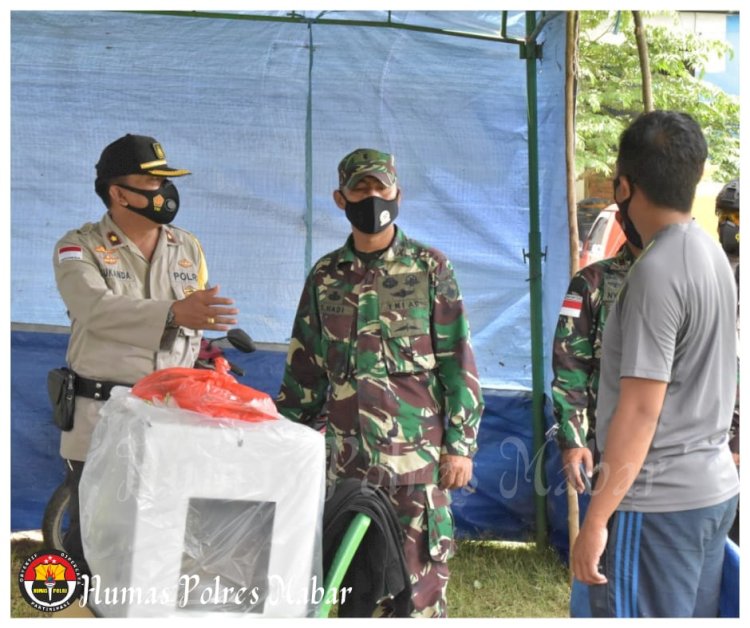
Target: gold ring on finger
(211,320)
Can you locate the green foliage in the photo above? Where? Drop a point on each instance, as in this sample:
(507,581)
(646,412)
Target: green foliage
(609,90)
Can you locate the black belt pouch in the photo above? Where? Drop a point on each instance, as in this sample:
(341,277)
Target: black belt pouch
(61,386)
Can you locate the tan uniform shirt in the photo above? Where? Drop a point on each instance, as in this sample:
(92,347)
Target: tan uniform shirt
(118,303)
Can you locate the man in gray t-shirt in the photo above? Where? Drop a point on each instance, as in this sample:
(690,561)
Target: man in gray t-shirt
(674,322)
(653,538)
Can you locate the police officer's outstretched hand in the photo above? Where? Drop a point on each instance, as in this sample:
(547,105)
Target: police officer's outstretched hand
(203,309)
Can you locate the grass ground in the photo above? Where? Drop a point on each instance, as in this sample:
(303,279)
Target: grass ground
(488,579)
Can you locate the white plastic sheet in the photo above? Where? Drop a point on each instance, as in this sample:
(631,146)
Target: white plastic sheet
(184,515)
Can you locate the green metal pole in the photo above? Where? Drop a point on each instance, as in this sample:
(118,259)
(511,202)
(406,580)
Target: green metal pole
(535,286)
(309,160)
(298,19)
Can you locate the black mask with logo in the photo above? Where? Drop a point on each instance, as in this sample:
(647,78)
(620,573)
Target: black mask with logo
(729,236)
(163,203)
(631,233)
(372,214)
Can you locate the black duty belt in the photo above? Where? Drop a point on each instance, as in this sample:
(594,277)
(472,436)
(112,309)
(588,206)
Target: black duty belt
(95,389)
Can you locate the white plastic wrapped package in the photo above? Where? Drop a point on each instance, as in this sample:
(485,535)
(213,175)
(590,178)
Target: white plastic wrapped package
(184,515)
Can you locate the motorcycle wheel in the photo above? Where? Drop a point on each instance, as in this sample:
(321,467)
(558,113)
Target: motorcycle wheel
(55,522)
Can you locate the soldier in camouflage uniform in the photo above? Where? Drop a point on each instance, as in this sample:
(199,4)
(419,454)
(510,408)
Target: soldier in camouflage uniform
(381,349)
(576,353)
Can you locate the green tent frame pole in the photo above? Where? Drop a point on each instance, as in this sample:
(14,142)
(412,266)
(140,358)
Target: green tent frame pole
(294,18)
(530,52)
(309,160)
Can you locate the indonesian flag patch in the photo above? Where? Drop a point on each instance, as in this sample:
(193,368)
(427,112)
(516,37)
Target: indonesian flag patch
(572,305)
(69,252)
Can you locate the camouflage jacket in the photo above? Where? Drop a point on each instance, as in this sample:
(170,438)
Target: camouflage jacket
(578,345)
(383,351)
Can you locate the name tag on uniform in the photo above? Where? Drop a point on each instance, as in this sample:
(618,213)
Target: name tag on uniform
(336,308)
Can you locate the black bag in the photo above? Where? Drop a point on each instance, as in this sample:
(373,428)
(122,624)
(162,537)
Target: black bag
(61,386)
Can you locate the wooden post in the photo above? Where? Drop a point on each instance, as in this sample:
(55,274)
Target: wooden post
(640,40)
(571,72)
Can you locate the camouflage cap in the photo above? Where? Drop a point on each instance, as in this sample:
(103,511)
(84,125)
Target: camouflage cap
(367,162)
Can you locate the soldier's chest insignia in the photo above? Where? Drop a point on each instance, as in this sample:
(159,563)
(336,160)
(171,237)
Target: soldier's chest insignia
(610,292)
(185,263)
(407,327)
(402,292)
(113,238)
(107,256)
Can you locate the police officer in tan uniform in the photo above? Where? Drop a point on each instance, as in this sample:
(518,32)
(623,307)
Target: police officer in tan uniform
(135,291)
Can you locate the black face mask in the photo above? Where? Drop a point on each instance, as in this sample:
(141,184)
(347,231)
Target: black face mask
(163,202)
(372,214)
(729,236)
(631,233)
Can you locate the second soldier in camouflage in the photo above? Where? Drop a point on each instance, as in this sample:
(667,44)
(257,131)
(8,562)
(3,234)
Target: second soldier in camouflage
(577,353)
(381,348)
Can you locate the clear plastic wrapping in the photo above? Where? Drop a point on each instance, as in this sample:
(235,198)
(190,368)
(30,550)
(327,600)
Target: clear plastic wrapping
(187,515)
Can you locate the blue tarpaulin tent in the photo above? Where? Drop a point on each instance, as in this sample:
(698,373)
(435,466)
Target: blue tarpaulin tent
(260,107)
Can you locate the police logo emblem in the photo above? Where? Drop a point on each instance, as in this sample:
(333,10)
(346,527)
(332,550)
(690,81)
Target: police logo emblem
(50,581)
(158,150)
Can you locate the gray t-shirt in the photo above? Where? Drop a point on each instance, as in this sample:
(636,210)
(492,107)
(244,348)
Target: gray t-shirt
(674,321)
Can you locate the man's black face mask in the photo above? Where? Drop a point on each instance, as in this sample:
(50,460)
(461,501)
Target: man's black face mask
(163,203)
(631,233)
(372,214)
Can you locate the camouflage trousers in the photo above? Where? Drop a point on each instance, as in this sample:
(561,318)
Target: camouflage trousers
(425,515)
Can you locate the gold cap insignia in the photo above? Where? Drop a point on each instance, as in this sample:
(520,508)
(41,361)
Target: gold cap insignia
(158,150)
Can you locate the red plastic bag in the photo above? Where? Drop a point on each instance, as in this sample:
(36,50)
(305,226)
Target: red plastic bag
(210,392)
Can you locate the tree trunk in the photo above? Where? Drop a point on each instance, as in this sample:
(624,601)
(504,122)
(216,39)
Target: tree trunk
(640,40)
(571,73)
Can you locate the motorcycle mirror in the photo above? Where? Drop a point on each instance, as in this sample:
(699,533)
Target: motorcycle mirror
(240,340)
